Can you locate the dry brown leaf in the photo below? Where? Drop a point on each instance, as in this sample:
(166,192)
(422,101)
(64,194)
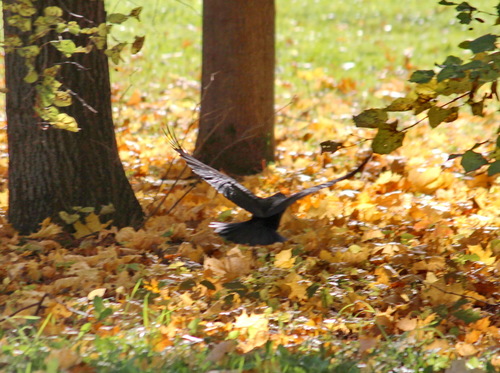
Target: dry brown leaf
(47,230)
(465,349)
(406,324)
(221,350)
(234,264)
(66,358)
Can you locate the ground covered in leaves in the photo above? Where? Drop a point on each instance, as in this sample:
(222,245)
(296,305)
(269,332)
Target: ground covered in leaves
(396,269)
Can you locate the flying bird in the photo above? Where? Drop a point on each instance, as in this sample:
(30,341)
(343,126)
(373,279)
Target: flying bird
(266,212)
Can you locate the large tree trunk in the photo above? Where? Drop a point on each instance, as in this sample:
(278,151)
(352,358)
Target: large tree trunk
(237,105)
(52,170)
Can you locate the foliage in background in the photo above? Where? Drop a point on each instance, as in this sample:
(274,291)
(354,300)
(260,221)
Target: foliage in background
(52,30)
(464,83)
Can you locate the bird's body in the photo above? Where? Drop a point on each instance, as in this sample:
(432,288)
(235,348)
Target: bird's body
(261,229)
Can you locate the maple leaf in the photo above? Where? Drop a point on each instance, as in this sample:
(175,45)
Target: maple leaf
(91,225)
(284,259)
(235,264)
(254,331)
(485,255)
(295,286)
(47,230)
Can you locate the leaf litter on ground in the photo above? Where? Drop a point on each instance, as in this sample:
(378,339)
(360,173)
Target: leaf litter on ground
(408,249)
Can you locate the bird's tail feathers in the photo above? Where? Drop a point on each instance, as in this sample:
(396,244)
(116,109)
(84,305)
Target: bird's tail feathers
(247,233)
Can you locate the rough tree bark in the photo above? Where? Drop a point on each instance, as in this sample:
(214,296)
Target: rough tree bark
(236,131)
(52,170)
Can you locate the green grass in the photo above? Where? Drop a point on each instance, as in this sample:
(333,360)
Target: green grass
(132,351)
(361,40)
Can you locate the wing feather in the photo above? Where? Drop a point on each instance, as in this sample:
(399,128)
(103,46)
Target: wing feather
(226,185)
(283,205)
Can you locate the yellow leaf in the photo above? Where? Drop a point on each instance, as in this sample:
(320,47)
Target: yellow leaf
(482,324)
(327,256)
(296,286)
(383,276)
(371,234)
(430,179)
(284,259)
(66,122)
(254,331)
(47,230)
(92,224)
(441,293)
(96,293)
(485,256)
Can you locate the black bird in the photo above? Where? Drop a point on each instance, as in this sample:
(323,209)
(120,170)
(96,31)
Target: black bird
(266,212)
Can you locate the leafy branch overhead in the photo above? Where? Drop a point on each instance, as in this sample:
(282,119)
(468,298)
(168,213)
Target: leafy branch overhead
(441,93)
(53,29)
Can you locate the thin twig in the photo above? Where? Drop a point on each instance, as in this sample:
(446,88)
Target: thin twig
(37,304)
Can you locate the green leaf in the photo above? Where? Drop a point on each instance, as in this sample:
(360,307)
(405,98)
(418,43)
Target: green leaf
(66,47)
(25,9)
(483,43)
(453,156)
(468,315)
(311,290)
(387,140)
(451,86)
(52,11)
(494,168)
(115,52)
(439,115)
(235,285)
(452,60)
(444,2)
(73,28)
(465,7)
(117,18)
(31,77)
(29,51)
(422,76)
(209,285)
(462,259)
(471,161)
(68,218)
(465,18)
(371,118)
(187,285)
(401,104)
(450,72)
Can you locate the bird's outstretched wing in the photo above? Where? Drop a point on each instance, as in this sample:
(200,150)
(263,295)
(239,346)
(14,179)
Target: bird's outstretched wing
(227,186)
(295,197)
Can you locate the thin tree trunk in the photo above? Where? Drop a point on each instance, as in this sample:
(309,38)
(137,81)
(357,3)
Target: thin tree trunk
(52,170)
(237,106)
